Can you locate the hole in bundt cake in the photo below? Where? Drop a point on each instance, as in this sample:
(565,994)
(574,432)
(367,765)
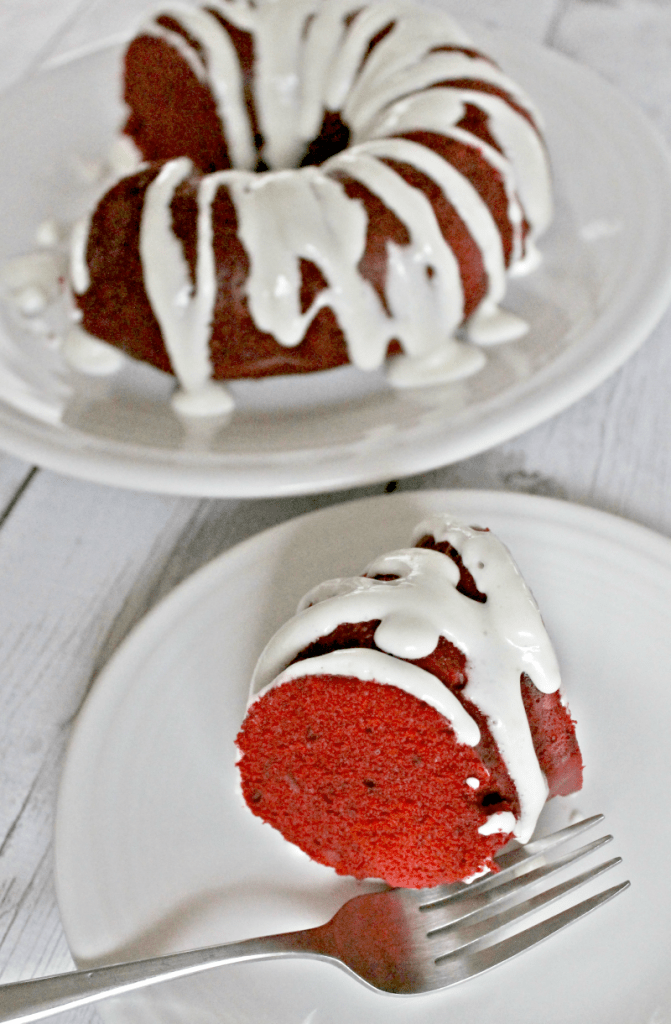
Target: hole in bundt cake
(333,138)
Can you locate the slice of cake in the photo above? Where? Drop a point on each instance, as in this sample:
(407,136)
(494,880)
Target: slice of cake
(407,723)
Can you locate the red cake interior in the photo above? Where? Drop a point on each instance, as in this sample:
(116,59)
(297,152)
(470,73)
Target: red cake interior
(367,779)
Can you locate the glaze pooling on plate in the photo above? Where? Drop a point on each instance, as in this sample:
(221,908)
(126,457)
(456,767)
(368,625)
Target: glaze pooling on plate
(502,639)
(404,82)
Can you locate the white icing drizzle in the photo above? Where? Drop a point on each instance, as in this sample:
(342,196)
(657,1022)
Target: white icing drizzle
(504,822)
(184,312)
(501,638)
(421,112)
(463,196)
(219,69)
(425,309)
(372,93)
(278,77)
(453,361)
(310,58)
(351,80)
(210,400)
(375,666)
(531,260)
(527,155)
(491,325)
(80,278)
(326,71)
(284,216)
(178,42)
(90,355)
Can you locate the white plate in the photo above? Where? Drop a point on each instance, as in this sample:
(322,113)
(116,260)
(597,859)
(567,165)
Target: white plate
(155,850)
(604,284)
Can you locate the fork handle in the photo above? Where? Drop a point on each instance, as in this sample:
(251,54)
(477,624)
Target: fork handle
(24,1001)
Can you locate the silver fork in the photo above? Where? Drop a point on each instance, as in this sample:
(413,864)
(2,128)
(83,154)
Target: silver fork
(402,941)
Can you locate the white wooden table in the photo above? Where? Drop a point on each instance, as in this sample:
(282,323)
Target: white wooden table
(81,563)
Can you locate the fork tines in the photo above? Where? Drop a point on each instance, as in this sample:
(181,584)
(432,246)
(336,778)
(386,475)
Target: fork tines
(461,923)
(466,963)
(511,864)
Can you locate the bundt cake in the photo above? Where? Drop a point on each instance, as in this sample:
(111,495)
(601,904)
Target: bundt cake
(407,723)
(321,182)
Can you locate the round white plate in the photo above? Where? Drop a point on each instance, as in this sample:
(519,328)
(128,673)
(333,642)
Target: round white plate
(604,284)
(155,850)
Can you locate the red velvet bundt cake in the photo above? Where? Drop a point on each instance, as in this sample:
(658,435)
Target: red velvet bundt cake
(325,182)
(407,723)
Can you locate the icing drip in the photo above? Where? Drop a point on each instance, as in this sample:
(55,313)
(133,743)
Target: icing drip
(286,215)
(217,66)
(501,638)
(491,325)
(425,308)
(452,361)
(380,668)
(89,355)
(502,822)
(463,196)
(184,311)
(439,110)
(79,270)
(526,153)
